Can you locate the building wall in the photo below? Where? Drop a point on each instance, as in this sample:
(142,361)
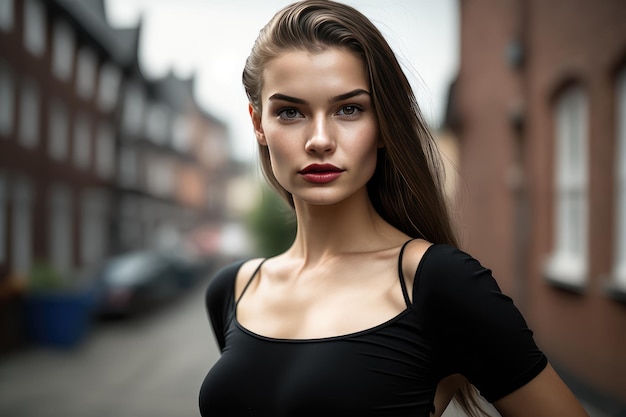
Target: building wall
(508,158)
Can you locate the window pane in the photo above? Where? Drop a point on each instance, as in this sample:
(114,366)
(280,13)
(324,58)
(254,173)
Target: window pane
(132,115)
(60,229)
(570,233)
(58,130)
(94,228)
(85,73)
(34,27)
(21,226)
(105,151)
(109,86)
(82,141)
(6,15)
(29,114)
(63,51)
(7,94)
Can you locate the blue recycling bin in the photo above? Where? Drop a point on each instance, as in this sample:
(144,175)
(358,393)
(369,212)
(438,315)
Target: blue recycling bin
(58,319)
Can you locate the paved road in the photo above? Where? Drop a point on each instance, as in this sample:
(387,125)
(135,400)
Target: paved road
(149,366)
(152,366)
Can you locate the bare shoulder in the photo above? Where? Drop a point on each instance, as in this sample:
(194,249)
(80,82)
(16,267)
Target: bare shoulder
(413,254)
(244,274)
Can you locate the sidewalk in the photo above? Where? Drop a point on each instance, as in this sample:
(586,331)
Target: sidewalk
(152,366)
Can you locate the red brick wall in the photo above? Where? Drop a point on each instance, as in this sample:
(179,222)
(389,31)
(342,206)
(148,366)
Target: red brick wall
(565,40)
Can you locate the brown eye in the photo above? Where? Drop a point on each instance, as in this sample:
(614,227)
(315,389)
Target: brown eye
(350,111)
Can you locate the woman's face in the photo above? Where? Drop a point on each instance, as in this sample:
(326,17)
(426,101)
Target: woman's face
(318,124)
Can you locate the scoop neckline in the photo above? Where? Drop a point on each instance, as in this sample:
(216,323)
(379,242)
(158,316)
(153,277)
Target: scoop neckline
(350,335)
(357,333)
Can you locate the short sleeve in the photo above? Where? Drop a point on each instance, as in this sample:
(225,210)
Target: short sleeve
(219,300)
(478,330)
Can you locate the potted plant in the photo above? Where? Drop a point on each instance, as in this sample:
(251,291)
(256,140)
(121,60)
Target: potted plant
(58,314)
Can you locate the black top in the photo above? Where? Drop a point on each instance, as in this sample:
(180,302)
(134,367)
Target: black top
(459,322)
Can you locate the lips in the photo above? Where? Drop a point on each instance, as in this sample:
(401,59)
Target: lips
(320,173)
(319,168)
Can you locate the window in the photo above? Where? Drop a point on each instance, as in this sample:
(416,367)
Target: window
(134,104)
(34,27)
(6,15)
(128,168)
(620,171)
(82,141)
(29,114)
(7,93)
(62,50)
(85,73)
(105,151)
(568,263)
(22,226)
(94,226)
(130,222)
(160,176)
(58,130)
(108,87)
(181,134)
(157,123)
(60,229)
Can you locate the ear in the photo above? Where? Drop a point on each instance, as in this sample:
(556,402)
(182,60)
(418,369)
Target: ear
(258,127)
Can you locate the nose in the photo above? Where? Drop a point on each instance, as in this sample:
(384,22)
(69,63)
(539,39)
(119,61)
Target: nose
(321,139)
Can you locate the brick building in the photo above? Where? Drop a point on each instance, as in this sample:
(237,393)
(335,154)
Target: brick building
(539,108)
(94,157)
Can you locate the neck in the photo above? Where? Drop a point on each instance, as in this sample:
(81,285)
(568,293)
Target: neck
(350,226)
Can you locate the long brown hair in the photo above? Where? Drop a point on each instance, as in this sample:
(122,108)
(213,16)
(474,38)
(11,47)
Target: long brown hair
(407,186)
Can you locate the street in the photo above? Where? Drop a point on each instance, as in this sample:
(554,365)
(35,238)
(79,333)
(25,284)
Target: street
(151,365)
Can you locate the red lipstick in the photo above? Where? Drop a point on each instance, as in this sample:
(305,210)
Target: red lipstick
(320,173)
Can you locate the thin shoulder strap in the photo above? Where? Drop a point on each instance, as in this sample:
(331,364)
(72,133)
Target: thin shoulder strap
(405,292)
(256,271)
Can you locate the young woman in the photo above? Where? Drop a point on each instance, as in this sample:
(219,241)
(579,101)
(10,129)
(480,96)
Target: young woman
(372,311)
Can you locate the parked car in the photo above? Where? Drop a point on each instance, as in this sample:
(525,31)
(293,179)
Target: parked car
(135,281)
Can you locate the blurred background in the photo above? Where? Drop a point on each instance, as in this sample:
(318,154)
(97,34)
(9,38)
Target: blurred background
(128,174)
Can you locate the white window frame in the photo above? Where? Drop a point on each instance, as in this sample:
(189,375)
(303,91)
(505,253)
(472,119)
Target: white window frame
(7,99)
(82,140)
(7,15)
(29,114)
(568,263)
(63,47)
(58,130)
(619,262)
(34,27)
(86,67)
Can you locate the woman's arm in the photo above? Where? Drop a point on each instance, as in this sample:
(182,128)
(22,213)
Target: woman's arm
(545,395)
(446,389)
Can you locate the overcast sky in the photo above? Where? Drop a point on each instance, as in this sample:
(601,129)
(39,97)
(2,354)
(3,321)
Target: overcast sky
(211,39)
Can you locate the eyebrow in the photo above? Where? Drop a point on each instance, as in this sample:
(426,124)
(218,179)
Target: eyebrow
(335,99)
